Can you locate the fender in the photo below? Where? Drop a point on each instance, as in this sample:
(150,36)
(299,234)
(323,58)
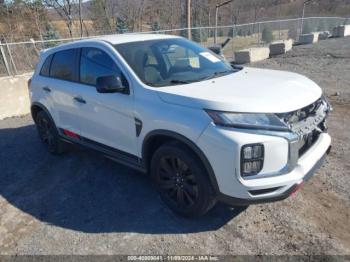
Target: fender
(187,142)
(43,108)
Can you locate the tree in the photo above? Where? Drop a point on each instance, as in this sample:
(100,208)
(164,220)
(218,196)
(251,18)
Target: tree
(122,25)
(232,32)
(38,12)
(50,34)
(155,26)
(101,16)
(64,8)
(267,35)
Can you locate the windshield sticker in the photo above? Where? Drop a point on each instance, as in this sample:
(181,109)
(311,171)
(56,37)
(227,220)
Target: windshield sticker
(210,57)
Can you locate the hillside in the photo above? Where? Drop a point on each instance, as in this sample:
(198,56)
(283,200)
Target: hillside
(22,20)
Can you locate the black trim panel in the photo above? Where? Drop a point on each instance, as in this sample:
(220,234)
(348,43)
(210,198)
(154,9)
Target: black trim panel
(114,154)
(138,125)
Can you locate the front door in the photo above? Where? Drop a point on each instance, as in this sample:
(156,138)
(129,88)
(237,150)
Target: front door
(106,120)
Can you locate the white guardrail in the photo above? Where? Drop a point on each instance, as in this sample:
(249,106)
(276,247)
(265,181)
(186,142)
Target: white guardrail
(21,57)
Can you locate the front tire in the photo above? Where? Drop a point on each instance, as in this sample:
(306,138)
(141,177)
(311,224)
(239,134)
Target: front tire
(48,134)
(181,180)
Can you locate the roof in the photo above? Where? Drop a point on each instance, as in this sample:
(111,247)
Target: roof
(112,39)
(127,38)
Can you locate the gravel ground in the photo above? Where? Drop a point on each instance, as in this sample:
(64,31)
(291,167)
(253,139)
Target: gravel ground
(81,203)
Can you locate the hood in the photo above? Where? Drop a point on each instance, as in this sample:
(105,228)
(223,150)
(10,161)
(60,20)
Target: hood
(249,90)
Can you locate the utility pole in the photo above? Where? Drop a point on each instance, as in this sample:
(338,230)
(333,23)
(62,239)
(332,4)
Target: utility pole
(216,18)
(80,20)
(189,35)
(302,17)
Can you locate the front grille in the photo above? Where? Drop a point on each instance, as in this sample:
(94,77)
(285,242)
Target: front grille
(308,141)
(308,123)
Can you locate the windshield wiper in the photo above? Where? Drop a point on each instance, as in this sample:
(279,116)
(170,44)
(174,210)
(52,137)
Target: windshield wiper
(216,74)
(220,73)
(176,81)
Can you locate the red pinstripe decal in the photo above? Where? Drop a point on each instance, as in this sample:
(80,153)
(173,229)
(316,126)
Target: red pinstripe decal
(70,134)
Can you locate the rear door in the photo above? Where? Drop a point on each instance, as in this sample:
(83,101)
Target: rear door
(60,85)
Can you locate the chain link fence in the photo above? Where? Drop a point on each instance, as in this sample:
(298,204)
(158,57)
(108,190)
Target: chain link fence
(21,57)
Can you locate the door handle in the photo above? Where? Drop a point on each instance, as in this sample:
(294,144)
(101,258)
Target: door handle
(80,100)
(46,89)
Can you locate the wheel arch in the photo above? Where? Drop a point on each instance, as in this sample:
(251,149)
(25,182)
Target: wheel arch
(36,107)
(156,138)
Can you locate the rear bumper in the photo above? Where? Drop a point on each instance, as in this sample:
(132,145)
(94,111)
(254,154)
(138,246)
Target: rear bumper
(244,202)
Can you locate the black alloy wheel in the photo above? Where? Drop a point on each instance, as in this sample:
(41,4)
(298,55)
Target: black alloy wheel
(177,181)
(48,133)
(181,180)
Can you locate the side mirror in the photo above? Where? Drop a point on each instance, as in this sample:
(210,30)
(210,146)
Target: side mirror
(109,84)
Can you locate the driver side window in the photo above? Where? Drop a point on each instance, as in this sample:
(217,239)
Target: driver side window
(95,63)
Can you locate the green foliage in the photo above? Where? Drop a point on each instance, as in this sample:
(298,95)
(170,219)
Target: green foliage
(267,35)
(196,36)
(183,33)
(122,25)
(220,33)
(199,35)
(50,34)
(155,26)
(232,32)
(99,17)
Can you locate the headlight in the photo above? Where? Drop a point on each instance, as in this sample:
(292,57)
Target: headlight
(247,120)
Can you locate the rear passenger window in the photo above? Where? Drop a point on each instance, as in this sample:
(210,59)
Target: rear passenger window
(45,69)
(63,65)
(95,63)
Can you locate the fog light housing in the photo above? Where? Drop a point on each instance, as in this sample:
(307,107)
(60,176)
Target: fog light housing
(252,159)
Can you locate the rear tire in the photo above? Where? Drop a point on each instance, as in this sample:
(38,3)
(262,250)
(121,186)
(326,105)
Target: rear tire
(48,134)
(181,180)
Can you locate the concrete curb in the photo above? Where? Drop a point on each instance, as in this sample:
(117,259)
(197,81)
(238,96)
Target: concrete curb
(341,31)
(306,39)
(281,47)
(14,99)
(251,55)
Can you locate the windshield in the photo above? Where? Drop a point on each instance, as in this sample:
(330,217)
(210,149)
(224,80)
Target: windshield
(172,61)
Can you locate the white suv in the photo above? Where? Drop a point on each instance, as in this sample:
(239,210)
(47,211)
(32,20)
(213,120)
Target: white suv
(205,130)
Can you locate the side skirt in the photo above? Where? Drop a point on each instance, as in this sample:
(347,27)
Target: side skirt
(116,155)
